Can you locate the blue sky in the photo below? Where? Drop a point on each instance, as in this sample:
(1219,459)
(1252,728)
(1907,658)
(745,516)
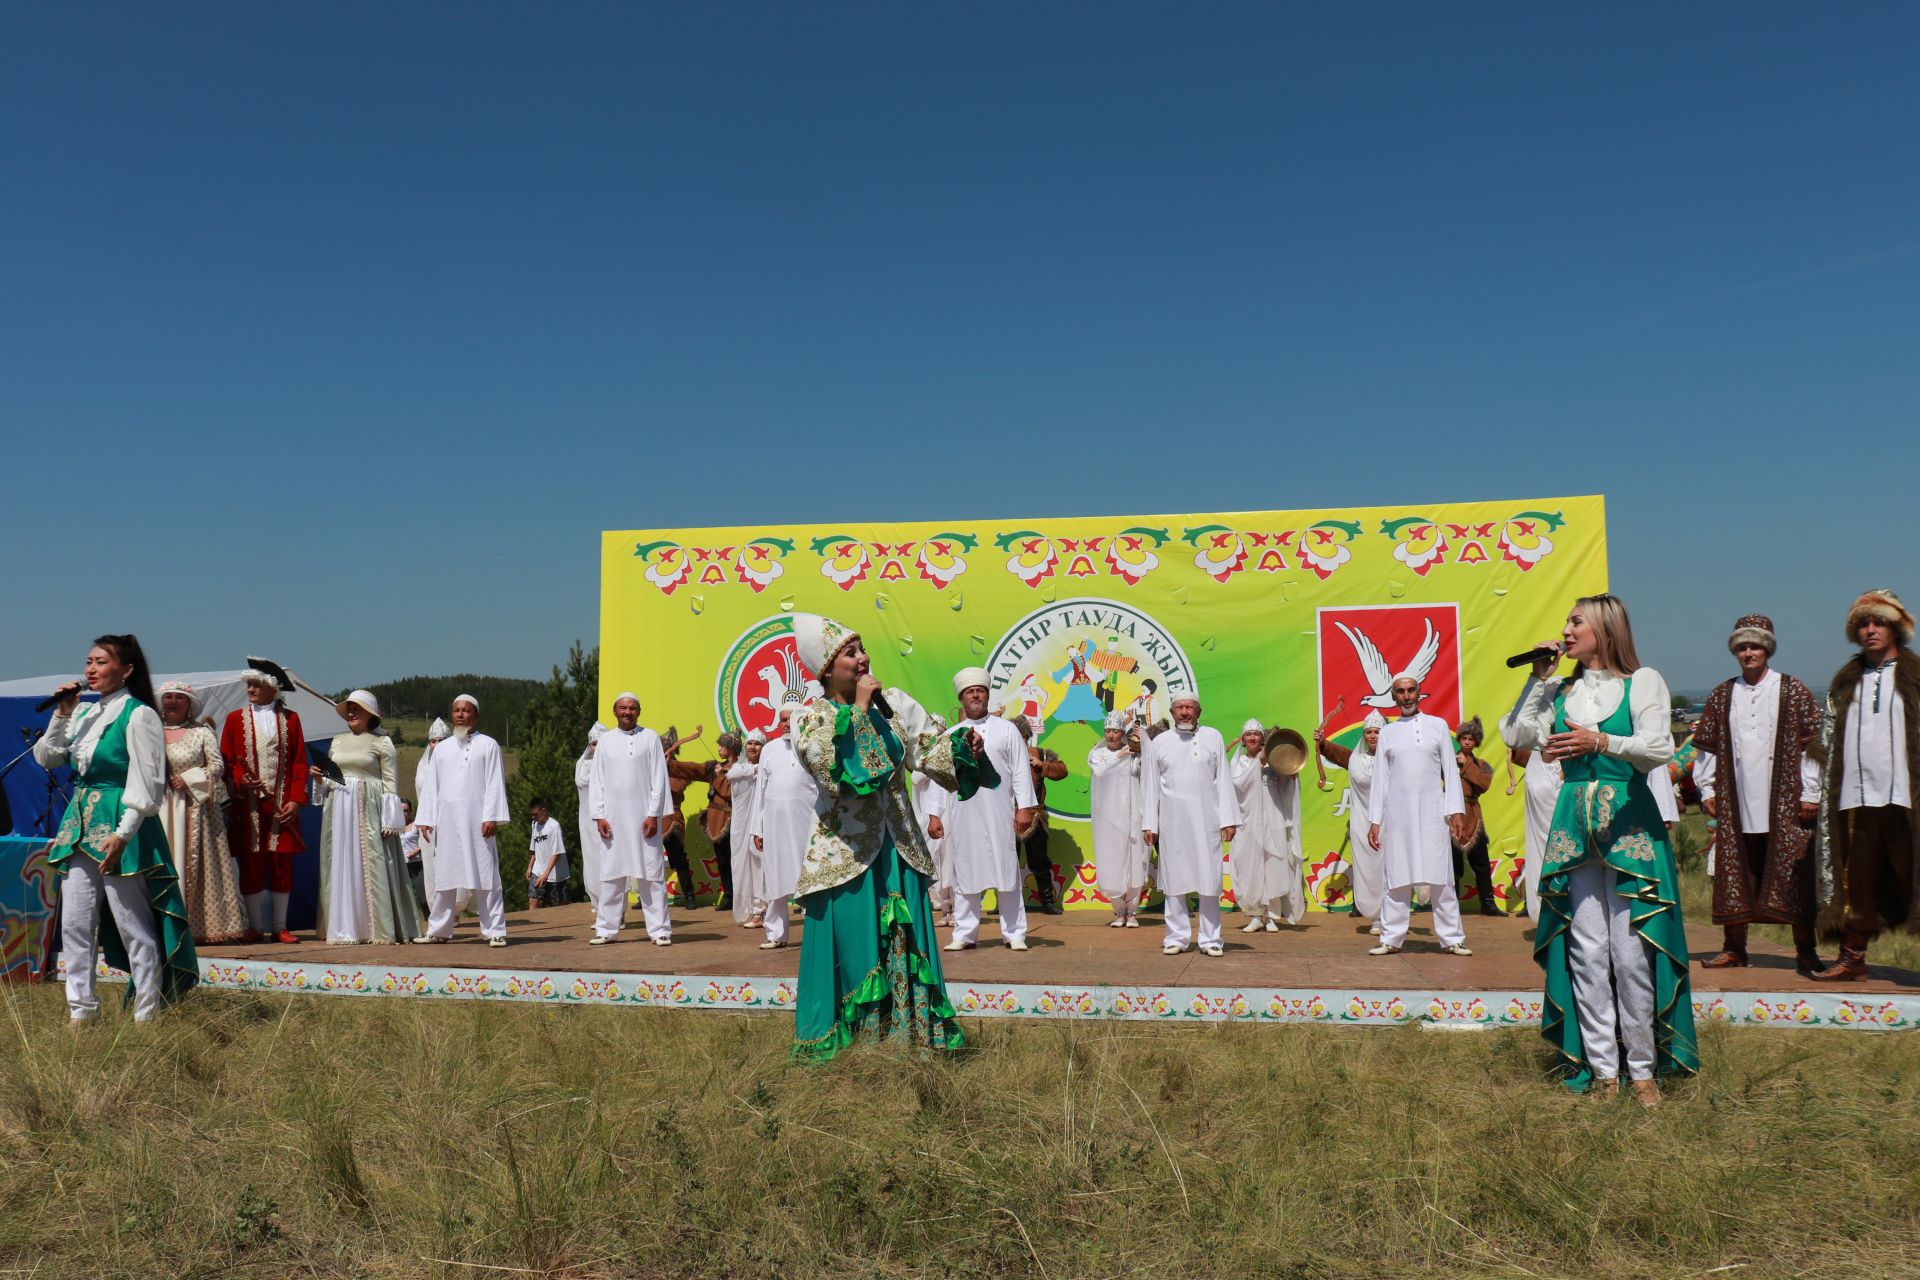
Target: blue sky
(361,321)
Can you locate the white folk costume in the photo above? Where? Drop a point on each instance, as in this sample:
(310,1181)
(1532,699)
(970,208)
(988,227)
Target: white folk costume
(364,892)
(1368,870)
(1416,788)
(786,800)
(980,829)
(930,801)
(197,829)
(1119,839)
(1186,800)
(466,788)
(628,785)
(437,733)
(590,842)
(1265,853)
(749,899)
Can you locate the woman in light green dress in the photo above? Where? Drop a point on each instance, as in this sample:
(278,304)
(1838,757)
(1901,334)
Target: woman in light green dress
(365,895)
(869,962)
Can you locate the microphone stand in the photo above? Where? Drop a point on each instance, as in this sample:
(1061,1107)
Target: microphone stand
(56,797)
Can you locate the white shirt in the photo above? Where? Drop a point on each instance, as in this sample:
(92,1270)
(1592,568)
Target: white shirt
(72,739)
(546,845)
(980,828)
(1186,800)
(1416,788)
(1592,696)
(1875,744)
(1753,726)
(628,784)
(266,724)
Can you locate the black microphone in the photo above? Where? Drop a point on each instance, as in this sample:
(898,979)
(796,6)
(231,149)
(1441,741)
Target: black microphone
(48,704)
(1532,656)
(878,702)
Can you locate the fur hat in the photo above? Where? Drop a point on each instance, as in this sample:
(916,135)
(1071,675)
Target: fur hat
(1881,604)
(1472,727)
(1754,628)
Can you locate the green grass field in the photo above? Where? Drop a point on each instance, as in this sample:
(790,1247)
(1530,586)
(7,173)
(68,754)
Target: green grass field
(253,1135)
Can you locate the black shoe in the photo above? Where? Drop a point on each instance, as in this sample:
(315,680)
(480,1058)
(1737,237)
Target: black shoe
(1052,907)
(685,902)
(725,903)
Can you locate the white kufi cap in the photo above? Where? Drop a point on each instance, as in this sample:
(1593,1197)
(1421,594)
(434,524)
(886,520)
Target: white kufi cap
(467,698)
(968,677)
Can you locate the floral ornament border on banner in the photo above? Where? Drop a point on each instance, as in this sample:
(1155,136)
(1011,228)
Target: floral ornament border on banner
(1263,1005)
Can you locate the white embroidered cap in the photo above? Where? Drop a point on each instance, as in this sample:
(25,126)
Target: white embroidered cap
(968,677)
(756,735)
(818,640)
(1253,726)
(1374,720)
(438,730)
(1116,720)
(594,734)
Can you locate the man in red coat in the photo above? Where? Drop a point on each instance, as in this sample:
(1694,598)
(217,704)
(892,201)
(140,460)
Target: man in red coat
(266,758)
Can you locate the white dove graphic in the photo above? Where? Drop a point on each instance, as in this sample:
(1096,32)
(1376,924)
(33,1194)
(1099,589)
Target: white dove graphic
(1380,676)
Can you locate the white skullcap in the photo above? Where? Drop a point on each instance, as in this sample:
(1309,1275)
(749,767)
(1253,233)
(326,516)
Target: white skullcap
(1374,720)
(1116,720)
(623,695)
(1184,695)
(757,735)
(819,640)
(437,730)
(365,701)
(967,677)
(180,687)
(1253,726)
(594,734)
(467,698)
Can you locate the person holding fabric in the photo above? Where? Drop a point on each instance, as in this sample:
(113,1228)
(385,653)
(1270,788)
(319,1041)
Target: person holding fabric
(868,966)
(265,751)
(785,800)
(111,845)
(984,825)
(1119,841)
(1265,854)
(1765,800)
(630,800)
(1416,791)
(1469,830)
(1872,861)
(1369,872)
(1610,940)
(591,844)
(1046,766)
(364,892)
(191,816)
(1189,811)
(461,807)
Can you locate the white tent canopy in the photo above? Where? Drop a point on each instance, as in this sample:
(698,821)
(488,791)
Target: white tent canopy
(220,692)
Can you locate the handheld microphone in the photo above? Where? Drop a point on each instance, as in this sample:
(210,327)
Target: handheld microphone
(1532,656)
(879,703)
(49,703)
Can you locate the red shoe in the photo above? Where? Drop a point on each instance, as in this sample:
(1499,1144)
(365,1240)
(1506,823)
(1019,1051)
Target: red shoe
(250,937)
(285,935)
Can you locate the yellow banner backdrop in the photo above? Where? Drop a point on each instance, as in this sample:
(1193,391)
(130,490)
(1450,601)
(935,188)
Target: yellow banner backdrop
(1290,618)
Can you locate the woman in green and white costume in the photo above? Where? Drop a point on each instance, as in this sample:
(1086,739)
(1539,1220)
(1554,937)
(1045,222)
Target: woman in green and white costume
(112,844)
(869,964)
(1610,937)
(365,895)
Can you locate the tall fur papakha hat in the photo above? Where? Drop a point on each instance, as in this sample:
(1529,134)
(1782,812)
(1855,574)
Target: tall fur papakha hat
(1754,628)
(1881,604)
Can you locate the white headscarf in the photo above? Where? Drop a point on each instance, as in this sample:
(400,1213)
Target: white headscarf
(1374,720)
(758,736)
(1253,726)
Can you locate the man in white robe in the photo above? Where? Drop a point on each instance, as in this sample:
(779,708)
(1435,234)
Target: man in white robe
(1266,850)
(749,880)
(930,803)
(590,841)
(983,829)
(786,798)
(1188,809)
(1119,842)
(462,804)
(1416,791)
(437,733)
(628,795)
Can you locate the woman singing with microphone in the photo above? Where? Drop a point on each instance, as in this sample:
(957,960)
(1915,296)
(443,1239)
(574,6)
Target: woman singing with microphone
(1610,938)
(112,844)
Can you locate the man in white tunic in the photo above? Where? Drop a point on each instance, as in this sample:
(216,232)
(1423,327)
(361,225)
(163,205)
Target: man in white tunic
(1187,808)
(785,799)
(1416,791)
(749,880)
(628,795)
(462,804)
(1266,851)
(1119,840)
(982,829)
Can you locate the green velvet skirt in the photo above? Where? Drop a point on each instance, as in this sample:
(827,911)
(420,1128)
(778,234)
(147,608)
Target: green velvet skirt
(869,966)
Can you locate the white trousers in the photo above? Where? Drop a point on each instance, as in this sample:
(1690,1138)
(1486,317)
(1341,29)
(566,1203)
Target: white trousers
(1180,920)
(488,904)
(1124,904)
(610,907)
(775,918)
(1396,913)
(80,915)
(1612,979)
(1013,915)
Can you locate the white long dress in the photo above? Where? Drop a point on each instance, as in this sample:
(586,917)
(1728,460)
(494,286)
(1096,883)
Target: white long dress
(1186,798)
(1416,787)
(1541,784)
(1368,870)
(784,811)
(980,828)
(627,785)
(1119,842)
(424,840)
(465,787)
(1265,851)
(748,879)
(931,800)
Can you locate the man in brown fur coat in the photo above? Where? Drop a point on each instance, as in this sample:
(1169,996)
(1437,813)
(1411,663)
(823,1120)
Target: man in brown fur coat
(1873,778)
